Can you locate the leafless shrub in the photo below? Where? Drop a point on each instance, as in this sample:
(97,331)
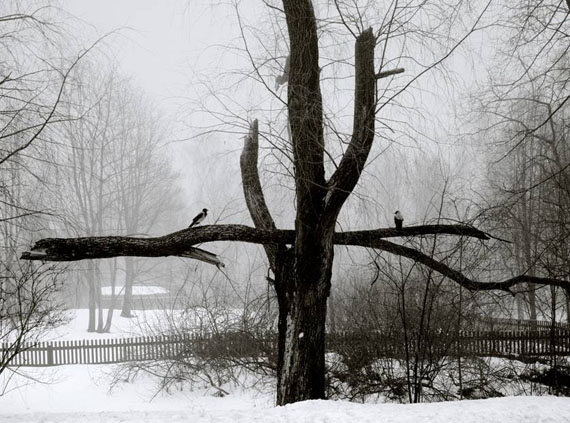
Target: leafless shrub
(28,307)
(222,346)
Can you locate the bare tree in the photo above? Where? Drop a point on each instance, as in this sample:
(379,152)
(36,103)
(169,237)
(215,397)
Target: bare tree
(33,75)
(530,178)
(117,179)
(144,183)
(28,308)
(301,259)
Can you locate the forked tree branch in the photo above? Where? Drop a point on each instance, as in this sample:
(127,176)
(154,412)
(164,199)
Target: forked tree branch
(252,191)
(346,176)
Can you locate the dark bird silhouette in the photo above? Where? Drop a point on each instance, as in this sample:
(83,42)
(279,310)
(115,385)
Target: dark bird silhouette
(398,219)
(199,218)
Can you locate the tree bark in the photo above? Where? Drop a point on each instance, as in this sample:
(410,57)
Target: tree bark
(318,202)
(302,374)
(300,363)
(302,369)
(281,259)
(284,277)
(180,243)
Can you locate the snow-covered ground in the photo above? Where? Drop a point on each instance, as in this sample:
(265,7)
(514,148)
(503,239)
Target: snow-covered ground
(82,394)
(142,323)
(76,329)
(137,290)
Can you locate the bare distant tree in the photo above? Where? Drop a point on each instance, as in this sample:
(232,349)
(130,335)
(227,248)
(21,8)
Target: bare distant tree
(116,178)
(144,182)
(33,75)
(533,191)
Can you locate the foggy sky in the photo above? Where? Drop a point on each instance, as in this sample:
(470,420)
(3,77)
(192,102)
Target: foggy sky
(164,46)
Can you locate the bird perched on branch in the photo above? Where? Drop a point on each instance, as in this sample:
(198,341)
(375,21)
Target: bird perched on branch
(199,218)
(398,219)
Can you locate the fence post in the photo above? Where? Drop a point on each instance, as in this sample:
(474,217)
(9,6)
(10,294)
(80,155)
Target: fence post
(50,354)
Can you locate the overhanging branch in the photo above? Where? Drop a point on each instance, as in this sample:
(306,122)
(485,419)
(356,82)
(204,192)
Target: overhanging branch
(460,278)
(180,243)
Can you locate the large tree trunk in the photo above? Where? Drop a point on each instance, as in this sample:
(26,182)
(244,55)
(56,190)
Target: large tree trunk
(303,311)
(302,374)
(302,370)
(302,284)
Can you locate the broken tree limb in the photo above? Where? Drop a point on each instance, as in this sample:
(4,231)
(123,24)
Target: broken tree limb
(252,191)
(74,249)
(347,174)
(386,74)
(205,256)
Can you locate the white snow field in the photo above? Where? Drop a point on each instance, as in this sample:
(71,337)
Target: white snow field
(81,393)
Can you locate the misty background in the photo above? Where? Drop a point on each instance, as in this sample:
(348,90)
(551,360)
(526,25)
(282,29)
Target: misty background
(153,103)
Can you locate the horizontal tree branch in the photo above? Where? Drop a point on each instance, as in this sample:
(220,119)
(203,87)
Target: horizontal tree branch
(180,243)
(74,249)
